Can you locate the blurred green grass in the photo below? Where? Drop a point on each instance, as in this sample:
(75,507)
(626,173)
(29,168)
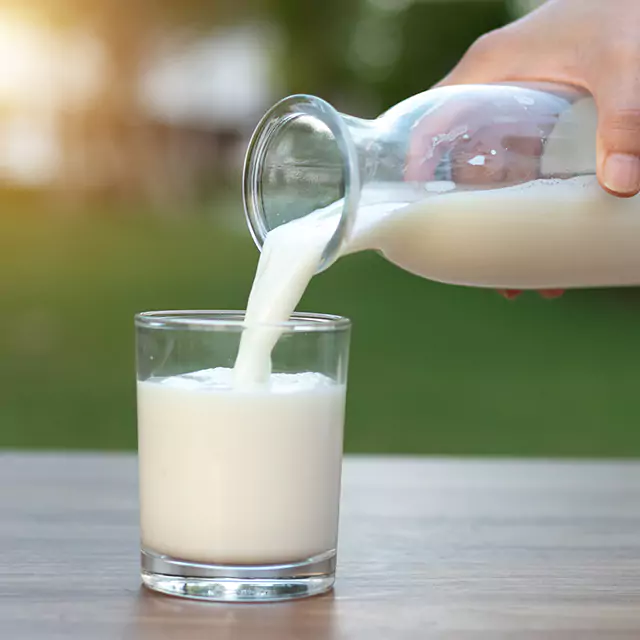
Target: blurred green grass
(435,369)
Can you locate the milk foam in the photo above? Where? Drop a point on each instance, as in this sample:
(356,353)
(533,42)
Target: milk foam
(221,379)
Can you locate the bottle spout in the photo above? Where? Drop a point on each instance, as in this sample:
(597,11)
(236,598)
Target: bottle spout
(301,158)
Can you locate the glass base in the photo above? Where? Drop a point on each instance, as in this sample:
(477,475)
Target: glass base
(239,583)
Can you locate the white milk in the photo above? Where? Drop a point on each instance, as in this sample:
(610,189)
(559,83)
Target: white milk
(289,259)
(235,477)
(542,234)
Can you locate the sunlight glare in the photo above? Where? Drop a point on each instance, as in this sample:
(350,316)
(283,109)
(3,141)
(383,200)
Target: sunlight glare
(23,58)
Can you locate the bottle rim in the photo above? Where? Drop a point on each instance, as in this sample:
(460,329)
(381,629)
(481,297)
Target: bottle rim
(278,116)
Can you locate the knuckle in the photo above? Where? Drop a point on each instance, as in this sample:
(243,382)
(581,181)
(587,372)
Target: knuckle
(486,45)
(620,130)
(623,121)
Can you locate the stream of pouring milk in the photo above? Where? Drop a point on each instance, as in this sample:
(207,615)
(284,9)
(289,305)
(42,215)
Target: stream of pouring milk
(541,234)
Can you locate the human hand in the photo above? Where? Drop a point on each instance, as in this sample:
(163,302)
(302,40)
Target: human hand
(587,43)
(591,44)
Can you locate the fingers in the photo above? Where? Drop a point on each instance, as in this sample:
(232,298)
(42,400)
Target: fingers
(547,294)
(479,138)
(551,294)
(433,136)
(619,131)
(509,294)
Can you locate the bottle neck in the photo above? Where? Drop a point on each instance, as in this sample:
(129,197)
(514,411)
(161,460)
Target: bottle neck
(304,156)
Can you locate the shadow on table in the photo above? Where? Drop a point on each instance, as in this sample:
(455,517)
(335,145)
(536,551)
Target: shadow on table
(158,617)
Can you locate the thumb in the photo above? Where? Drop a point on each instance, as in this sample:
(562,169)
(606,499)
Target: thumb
(619,138)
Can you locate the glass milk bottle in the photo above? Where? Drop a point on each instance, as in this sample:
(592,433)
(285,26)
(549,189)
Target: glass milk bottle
(480,185)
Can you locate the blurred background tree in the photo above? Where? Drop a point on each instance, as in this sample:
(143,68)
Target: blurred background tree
(361,55)
(374,53)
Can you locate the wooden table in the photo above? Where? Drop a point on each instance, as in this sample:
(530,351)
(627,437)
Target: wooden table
(429,549)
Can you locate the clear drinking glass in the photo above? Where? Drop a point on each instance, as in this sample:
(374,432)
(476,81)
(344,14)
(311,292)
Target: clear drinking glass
(239,487)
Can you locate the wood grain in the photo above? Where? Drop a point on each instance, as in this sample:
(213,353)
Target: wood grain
(444,549)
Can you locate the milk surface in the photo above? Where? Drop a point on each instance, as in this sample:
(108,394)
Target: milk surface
(240,477)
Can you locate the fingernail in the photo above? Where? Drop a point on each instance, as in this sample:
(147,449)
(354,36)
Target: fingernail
(551,294)
(622,173)
(509,294)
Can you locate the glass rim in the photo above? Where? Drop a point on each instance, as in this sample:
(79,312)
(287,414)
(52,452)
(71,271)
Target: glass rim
(221,320)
